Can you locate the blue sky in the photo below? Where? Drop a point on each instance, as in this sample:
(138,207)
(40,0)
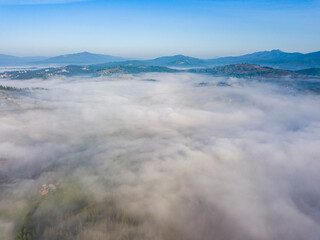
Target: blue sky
(132,28)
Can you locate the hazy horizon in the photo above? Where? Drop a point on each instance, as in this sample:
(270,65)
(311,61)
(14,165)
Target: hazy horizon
(140,58)
(147,29)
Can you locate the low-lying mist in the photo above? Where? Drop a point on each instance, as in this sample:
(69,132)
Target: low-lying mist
(158,156)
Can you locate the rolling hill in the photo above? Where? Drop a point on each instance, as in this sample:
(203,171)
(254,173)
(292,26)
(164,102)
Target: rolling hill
(310,71)
(234,70)
(247,70)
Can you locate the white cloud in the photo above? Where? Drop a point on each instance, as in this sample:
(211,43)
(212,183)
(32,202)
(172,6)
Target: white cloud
(238,162)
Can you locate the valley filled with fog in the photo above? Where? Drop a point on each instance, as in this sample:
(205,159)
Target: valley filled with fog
(158,156)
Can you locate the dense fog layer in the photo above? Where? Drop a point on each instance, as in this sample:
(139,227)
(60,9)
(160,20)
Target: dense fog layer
(179,156)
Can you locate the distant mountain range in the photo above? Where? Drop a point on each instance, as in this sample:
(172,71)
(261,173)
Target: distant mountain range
(274,59)
(8,60)
(82,58)
(167,61)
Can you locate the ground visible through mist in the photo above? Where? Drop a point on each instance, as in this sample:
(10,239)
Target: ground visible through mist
(158,156)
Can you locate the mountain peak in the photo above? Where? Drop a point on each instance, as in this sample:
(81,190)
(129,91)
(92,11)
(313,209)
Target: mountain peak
(83,53)
(180,55)
(276,51)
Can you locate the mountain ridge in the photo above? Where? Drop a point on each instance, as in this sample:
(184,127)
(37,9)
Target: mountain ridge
(82,58)
(275,58)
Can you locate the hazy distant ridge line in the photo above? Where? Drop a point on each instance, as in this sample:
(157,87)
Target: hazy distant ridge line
(274,58)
